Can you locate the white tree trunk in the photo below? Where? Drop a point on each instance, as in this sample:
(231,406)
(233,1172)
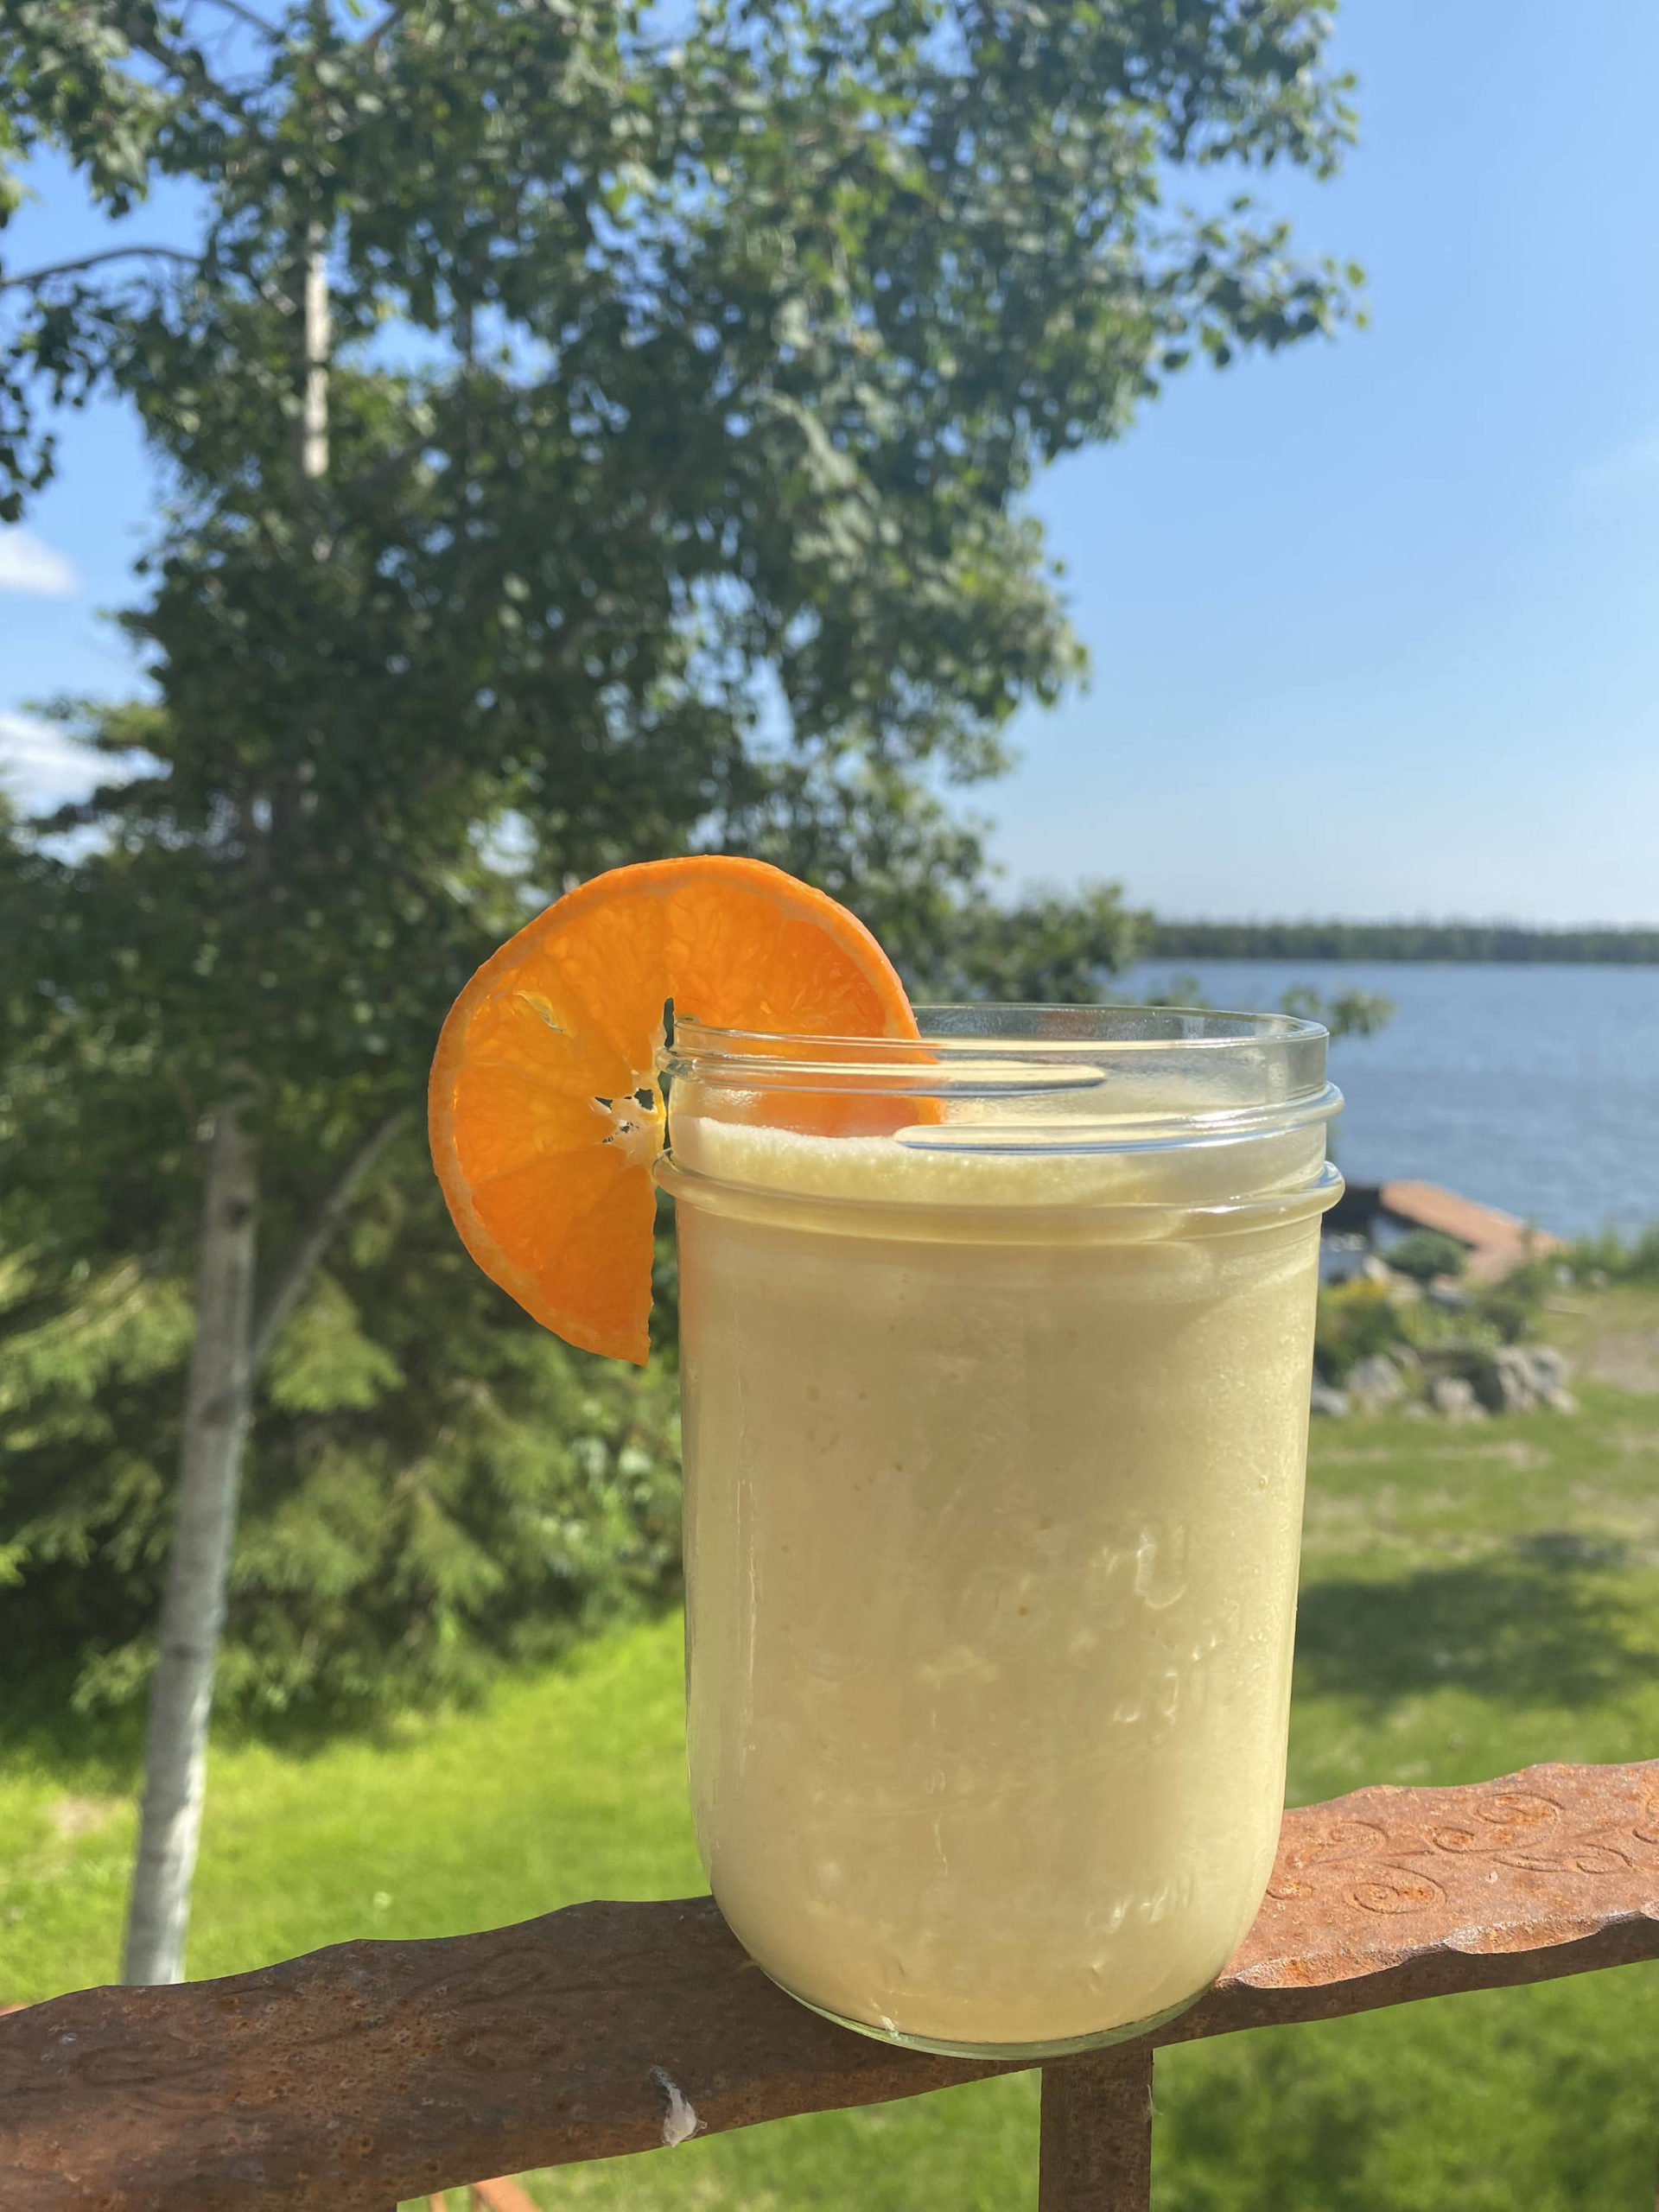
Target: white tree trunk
(314,417)
(232,1342)
(218,1400)
(229,1347)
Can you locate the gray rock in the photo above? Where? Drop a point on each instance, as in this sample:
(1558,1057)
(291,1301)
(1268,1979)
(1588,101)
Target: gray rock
(1512,1380)
(1454,1399)
(1550,1369)
(1375,1383)
(1327,1400)
(1524,1376)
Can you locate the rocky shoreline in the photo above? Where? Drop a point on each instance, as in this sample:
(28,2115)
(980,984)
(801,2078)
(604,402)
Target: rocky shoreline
(1457,1382)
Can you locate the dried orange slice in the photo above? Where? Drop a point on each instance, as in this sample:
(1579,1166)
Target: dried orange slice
(544,1107)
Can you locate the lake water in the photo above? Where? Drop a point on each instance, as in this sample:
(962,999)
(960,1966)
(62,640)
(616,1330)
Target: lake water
(1536,1088)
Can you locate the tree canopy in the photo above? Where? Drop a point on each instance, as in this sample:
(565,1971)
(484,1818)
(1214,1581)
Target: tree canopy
(591,431)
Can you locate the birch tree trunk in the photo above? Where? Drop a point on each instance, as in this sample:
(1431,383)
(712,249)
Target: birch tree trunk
(229,1344)
(313,413)
(233,1339)
(313,342)
(218,1401)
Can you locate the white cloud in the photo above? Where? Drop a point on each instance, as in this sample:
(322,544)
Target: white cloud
(43,768)
(27,563)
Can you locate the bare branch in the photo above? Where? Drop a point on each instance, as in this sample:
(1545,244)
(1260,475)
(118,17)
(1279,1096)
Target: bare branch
(388,21)
(247,15)
(285,1293)
(92,260)
(188,68)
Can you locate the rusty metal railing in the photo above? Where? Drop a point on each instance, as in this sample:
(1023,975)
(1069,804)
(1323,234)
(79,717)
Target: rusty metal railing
(378,2071)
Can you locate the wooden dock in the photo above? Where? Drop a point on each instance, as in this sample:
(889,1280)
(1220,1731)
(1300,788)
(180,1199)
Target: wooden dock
(1496,1241)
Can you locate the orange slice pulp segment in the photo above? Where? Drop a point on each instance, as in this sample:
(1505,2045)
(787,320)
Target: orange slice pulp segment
(543,1108)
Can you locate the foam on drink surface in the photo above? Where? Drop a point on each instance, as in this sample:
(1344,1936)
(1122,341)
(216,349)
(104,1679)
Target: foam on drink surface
(991,1549)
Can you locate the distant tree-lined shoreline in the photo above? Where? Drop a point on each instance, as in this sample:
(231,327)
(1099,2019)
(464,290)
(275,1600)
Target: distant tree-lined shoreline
(1394,941)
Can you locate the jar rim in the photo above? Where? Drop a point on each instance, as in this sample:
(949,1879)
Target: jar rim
(1020,1081)
(972,1026)
(1199,1066)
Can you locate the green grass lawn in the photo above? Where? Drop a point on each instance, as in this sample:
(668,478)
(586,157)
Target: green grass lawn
(1474,1599)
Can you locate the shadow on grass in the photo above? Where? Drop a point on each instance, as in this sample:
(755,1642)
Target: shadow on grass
(40,1727)
(1548,1624)
(1272,2130)
(1506,2107)
(45,1722)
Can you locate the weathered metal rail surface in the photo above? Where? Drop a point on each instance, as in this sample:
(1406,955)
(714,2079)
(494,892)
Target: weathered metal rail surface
(378,2071)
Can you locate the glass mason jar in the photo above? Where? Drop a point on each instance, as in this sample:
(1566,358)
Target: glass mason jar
(996,1353)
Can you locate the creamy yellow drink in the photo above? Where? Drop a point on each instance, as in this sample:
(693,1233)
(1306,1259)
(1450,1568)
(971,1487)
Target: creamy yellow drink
(994,1459)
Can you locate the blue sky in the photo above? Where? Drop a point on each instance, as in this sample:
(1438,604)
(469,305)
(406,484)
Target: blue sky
(1375,626)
